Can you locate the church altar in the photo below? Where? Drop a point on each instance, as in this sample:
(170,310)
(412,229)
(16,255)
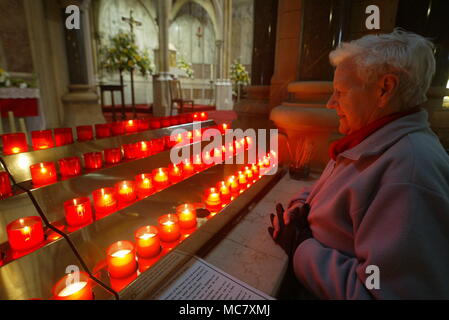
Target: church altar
(22,101)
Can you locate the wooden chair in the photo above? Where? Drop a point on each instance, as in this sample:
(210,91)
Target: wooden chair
(176,97)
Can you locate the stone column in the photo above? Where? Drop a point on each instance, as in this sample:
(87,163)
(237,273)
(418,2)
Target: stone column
(161,84)
(81,102)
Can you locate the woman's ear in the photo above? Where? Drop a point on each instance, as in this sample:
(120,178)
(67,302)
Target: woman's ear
(388,85)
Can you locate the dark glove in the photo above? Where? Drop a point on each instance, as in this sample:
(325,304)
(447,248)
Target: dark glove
(292,235)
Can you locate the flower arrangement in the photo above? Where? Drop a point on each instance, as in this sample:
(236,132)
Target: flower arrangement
(122,54)
(239,75)
(6,81)
(186,67)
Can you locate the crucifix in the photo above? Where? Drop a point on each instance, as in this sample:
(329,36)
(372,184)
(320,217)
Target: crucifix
(131,23)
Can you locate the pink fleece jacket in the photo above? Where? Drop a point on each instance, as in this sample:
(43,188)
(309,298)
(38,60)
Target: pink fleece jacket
(384,202)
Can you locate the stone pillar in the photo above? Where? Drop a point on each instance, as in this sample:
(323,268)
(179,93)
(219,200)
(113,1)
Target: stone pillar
(81,102)
(161,104)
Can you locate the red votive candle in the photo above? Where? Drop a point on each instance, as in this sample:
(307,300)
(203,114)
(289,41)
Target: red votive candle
(155,123)
(147,242)
(255,170)
(187,168)
(158,145)
(112,155)
(203,116)
(233,185)
(63,136)
(25,233)
(169,230)
(93,160)
(131,126)
(43,173)
(198,163)
(186,215)
(175,173)
(143,149)
(144,124)
(118,128)
(130,151)
(14,143)
(84,133)
(160,178)
(225,192)
(144,185)
(5,185)
(69,167)
(196,117)
(121,259)
(125,191)
(249,174)
(42,139)
(78,212)
(174,120)
(102,130)
(169,143)
(73,287)
(212,199)
(243,180)
(105,200)
(165,122)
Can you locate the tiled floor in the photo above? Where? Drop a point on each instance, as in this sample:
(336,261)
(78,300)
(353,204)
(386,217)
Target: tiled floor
(248,252)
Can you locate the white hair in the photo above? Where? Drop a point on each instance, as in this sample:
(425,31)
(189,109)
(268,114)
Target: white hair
(408,55)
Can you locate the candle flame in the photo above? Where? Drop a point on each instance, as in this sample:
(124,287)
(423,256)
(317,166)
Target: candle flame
(71,289)
(147,236)
(15,150)
(121,253)
(168,223)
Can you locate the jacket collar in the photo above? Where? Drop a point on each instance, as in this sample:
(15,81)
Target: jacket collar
(388,135)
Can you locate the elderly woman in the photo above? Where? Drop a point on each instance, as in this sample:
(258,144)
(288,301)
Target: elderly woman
(376,223)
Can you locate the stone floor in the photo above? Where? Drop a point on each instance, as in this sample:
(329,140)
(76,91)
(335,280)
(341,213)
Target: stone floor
(248,251)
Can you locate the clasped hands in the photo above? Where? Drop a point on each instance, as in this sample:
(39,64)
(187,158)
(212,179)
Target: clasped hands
(290,227)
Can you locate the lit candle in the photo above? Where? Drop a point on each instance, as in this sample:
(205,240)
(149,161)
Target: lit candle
(121,259)
(212,199)
(63,136)
(158,145)
(225,192)
(197,136)
(169,143)
(218,155)
(102,130)
(105,200)
(187,168)
(187,216)
(25,233)
(233,185)
(169,230)
(196,117)
(174,120)
(118,128)
(198,163)
(93,160)
(69,167)
(207,159)
(175,173)
(125,191)
(143,149)
(255,170)
(147,242)
(224,127)
(160,178)
(231,148)
(248,142)
(132,126)
(112,155)
(243,181)
(84,133)
(130,151)
(165,122)
(43,173)
(14,143)
(42,139)
(73,287)
(155,123)
(5,185)
(203,116)
(144,124)
(188,136)
(78,212)
(144,185)
(249,174)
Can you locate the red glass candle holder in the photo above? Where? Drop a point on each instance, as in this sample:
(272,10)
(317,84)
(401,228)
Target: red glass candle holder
(198,163)
(102,130)
(144,185)
(14,143)
(144,124)
(175,173)
(43,173)
(196,117)
(212,199)
(73,286)
(112,155)
(125,191)
(242,179)
(183,119)
(105,200)
(155,123)
(165,122)
(158,145)
(131,126)
(249,174)
(121,259)
(63,136)
(148,244)
(84,133)
(204,116)
(78,212)
(130,151)
(93,160)
(42,139)
(118,128)
(69,167)
(233,185)
(187,168)
(143,149)
(186,215)
(225,192)
(255,170)
(25,233)
(169,143)
(5,185)
(160,178)
(169,230)
(174,120)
